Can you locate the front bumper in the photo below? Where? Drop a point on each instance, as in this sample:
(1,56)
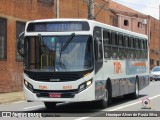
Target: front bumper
(154,77)
(86,95)
(70,90)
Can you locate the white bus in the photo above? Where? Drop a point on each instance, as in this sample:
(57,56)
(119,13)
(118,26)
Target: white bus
(74,60)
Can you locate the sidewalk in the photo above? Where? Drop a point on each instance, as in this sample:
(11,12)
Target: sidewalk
(11,97)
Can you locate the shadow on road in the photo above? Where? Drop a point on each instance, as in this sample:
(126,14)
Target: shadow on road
(82,107)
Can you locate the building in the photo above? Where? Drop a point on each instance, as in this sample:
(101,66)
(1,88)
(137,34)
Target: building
(13,16)
(154,42)
(137,22)
(15,13)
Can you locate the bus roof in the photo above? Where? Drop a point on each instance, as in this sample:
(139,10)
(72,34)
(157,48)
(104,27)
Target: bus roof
(92,24)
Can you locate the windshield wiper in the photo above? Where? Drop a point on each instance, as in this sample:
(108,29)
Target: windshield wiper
(63,47)
(68,41)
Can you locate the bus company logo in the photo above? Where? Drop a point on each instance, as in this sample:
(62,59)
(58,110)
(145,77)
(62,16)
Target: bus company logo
(117,67)
(146,103)
(54,80)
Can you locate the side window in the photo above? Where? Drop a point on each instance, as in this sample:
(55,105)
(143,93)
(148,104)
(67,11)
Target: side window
(98,43)
(136,43)
(114,38)
(139,44)
(131,43)
(120,47)
(126,38)
(106,43)
(120,40)
(142,44)
(127,55)
(130,52)
(98,52)
(146,49)
(114,45)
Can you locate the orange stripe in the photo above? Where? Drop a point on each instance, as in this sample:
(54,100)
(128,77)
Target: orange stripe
(140,64)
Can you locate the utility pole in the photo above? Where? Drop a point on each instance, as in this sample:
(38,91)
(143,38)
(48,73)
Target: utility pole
(91,10)
(57,8)
(159,36)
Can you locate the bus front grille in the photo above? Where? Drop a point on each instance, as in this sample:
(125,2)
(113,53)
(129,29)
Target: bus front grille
(53,77)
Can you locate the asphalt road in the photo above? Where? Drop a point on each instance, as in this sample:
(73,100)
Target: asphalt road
(89,110)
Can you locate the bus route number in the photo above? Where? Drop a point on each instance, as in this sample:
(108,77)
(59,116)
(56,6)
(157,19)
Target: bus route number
(67,87)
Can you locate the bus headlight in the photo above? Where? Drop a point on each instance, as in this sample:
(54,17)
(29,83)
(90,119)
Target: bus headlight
(88,83)
(85,85)
(28,85)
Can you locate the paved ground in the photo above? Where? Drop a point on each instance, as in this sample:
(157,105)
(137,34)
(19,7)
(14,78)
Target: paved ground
(86,111)
(11,97)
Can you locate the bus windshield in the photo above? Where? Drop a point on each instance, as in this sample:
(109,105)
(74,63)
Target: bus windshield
(46,54)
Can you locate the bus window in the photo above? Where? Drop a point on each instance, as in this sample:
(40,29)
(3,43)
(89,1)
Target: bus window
(136,43)
(146,45)
(114,52)
(98,43)
(107,51)
(120,40)
(139,44)
(106,37)
(121,53)
(138,54)
(131,42)
(106,43)
(132,54)
(142,44)
(126,38)
(114,38)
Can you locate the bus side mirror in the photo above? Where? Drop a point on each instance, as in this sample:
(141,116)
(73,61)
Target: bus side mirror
(20,44)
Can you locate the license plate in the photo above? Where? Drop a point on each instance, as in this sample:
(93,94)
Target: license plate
(54,95)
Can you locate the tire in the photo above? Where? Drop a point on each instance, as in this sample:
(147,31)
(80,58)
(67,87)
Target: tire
(135,94)
(50,105)
(103,103)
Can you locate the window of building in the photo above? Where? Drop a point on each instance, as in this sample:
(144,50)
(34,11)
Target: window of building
(126,23)
(3,34)
(20,27)
(46,2)
(157,62)
(151,61)
(139,24)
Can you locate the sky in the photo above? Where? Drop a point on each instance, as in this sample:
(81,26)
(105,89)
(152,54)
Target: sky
(148,7)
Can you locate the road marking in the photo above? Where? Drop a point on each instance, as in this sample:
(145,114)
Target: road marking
(18,102)
(33,107)
(121,107)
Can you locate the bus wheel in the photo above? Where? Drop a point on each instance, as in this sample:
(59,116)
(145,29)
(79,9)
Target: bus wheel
(103,102)
(136,93)
(50,105)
